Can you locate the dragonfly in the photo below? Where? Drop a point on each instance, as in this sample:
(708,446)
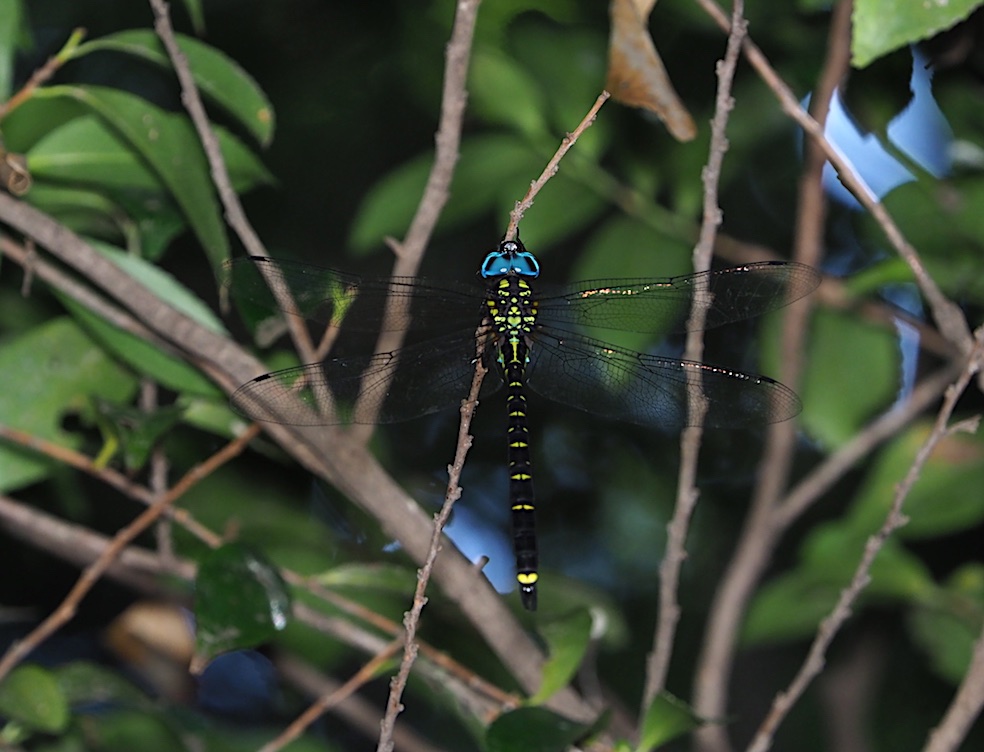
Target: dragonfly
(529,335)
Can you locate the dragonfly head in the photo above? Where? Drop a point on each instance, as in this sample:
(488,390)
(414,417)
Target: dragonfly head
(511,257)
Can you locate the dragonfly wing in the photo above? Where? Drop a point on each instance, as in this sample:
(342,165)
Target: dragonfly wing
(663,305)
(385,388)
(650,390)
(334,297)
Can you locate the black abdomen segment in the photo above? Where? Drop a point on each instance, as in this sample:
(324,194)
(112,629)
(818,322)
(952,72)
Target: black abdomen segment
(521,497)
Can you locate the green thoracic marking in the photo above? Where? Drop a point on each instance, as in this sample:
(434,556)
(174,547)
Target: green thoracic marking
(532,336)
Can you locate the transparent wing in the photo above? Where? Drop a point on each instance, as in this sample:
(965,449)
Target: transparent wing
(649,390)
(663,305)
(414,381)
(331,296)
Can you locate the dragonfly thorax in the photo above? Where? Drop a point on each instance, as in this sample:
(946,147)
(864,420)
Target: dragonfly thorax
(510,258)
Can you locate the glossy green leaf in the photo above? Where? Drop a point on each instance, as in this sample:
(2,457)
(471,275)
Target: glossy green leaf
(852,373)
(240,601)
(30,695)
(945,499)
(145,357)
(86,149)
(165,367)
(52,370)
(881,26)
(567,641)
(218,77)
(667,717)
(86,212)
(170,145)
(496,78)
(532,730)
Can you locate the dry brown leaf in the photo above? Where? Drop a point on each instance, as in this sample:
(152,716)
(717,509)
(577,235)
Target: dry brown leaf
(636,75)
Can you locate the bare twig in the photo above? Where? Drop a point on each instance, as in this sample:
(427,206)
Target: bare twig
(93,573)
(831,625)
(324,703)
(690,440)
(234,213)
(948,316)
(714,667)
(965,707)
(412,619)
(410,252)
(44,73)
(516,215)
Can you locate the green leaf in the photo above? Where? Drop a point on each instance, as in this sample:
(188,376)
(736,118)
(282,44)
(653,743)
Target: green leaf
(833,551)
(792,606)
(495,79)
(788,607)
(486,167)
(87,150)
(947,626)
(240,601)
(532,730)
(11,13)
(86,683)
(166,368)
(365,576)
(30,695)
(945,499)
(667,717)
(194,9)
(567,639)
(836,403)
(881,26)
(170,145)
(218,77)
(53,369)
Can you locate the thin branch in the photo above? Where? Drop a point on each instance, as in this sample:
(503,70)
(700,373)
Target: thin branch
(948,316)
(109,476)
(965,707)
(93,573)
(412,619)
(447,141)
(516,215)
(326,702)
(43,74)
(687,494)
(831,625)
(234,213)
(760,533)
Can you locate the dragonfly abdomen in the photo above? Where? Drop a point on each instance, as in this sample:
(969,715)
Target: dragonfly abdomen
(513,312)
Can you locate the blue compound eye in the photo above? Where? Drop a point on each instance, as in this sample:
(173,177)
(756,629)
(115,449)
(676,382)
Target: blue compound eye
(510,258)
